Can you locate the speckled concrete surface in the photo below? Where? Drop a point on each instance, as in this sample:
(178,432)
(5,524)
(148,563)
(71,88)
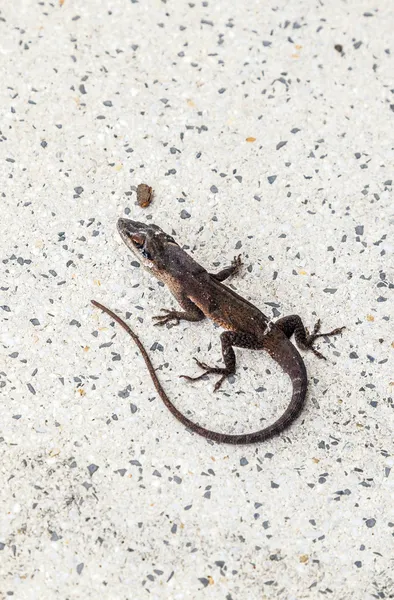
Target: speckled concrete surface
(264,130)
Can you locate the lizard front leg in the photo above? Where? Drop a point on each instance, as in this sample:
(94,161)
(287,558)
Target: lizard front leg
(233,269)
(294,325)
(191,313)
(228,340)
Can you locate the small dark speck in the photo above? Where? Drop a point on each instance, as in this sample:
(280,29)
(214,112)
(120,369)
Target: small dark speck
(338,48)
(274,485)
(280,145)
(107,103)
(44,144)
(92,468)
(31,389)
(392,107)
(271,179)
(222,90)
(243,462)
(295,130)
(357,45)
(157,346)
(34,321)
(133,408)
(80,568)
(266,43)
(214,189)
(74,322)
(185,214)
(358,564)
(370,523)
(124,393)
(156,473)
(359,229)
(204,581)
(78,190)
(353,355)
(220,563)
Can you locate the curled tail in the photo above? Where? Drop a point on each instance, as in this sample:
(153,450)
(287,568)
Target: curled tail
(290,361)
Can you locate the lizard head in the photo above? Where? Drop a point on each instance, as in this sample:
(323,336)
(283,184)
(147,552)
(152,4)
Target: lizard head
(149,243)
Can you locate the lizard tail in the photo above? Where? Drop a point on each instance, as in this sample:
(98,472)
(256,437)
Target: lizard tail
(291,362)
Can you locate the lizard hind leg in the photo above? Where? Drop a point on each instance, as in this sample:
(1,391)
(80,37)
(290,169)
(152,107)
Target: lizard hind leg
(228,340)
(293,325)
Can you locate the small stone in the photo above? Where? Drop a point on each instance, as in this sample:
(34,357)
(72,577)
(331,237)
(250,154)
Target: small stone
(92,468)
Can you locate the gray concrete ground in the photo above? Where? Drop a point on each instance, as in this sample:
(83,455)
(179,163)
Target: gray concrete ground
(265,128)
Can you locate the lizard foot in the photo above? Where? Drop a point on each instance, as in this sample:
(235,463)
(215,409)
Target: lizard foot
(315,334)
(208,370)
(167,318)
(236,263)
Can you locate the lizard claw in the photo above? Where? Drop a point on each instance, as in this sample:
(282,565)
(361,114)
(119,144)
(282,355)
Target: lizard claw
(202,365)
(317,353)
(167,318)
(194,378)
(317,326)
(237,262)
(335,331)
(219,382)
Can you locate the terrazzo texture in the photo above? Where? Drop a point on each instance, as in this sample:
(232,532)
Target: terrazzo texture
(265,131)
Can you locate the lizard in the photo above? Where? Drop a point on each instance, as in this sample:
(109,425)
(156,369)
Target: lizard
(204,295)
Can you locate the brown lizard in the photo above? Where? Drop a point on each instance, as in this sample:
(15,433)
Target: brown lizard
(202,294)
